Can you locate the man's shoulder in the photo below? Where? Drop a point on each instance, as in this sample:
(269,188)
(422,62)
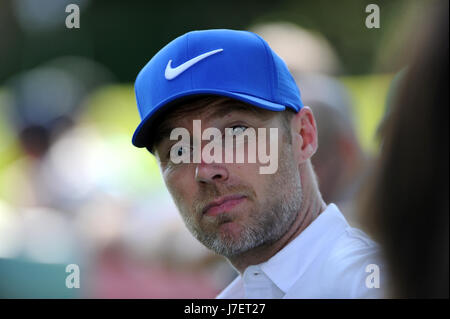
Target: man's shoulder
(343,270)
(351,260)
(348,248)
(351,243)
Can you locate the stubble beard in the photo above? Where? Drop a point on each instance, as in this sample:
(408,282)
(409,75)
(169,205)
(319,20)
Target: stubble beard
(266,223)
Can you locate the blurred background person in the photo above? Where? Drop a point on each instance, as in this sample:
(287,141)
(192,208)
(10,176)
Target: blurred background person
(38,233)
(340,162)
(45,103)
(303,51)
(407,201)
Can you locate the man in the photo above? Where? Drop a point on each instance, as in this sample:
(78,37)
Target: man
(274,228)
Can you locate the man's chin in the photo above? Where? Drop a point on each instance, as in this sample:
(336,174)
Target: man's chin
(228,249)
(230,231)
(230,241)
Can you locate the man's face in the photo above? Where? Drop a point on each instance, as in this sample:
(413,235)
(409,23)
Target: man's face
(231,207)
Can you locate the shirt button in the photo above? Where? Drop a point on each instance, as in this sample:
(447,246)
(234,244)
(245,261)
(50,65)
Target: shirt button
(252,272)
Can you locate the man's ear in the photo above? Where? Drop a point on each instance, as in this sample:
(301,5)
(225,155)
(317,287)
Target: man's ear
(304,132)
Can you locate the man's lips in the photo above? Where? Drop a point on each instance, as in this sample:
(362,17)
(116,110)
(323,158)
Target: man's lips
(223,204)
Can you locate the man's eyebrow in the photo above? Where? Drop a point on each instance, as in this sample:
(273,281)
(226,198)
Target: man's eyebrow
(163,132)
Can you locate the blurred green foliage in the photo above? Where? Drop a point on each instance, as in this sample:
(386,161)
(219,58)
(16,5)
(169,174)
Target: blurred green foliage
(124,35)
(369,97)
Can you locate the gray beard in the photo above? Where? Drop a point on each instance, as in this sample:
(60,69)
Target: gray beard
(265,226)
(271,225)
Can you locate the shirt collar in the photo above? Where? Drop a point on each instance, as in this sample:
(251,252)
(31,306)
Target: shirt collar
(289,264)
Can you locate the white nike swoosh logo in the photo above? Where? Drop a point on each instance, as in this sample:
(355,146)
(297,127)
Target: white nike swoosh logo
(172,73)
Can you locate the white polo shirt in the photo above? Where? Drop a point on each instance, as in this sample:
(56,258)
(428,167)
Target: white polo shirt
(329,259)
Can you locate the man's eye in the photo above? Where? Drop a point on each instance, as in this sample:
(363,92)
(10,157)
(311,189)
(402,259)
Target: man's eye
(178,151)
(237,130)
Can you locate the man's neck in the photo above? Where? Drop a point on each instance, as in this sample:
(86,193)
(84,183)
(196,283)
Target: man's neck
(312,206)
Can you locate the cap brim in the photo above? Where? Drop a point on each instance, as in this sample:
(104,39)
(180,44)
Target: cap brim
(141,134)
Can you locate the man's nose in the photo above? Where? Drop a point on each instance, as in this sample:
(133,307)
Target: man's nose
(210,173)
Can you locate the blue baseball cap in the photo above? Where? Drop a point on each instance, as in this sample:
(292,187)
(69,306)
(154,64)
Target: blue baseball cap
(230,63)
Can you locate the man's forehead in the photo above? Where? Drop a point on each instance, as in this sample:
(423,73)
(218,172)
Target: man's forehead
(205,109)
